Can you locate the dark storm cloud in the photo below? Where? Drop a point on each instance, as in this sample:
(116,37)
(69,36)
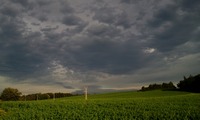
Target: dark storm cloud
(71,20)
(120,58)
(175,24)
(111,16)
(191,5)
(10,29)
(66,8)
(17,55)
(86,39)
(48,10)
(102,30)
(21,62)
(105,52)
(10,11)
(17,59)
(130,1)
(22,2)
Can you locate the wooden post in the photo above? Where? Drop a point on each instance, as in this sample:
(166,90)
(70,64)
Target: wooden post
(86,92)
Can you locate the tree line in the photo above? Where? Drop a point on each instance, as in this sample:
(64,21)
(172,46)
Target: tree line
(155,86)
(190,84)
(12,94)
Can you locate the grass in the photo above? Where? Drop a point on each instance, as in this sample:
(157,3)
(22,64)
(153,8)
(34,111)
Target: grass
(111,106)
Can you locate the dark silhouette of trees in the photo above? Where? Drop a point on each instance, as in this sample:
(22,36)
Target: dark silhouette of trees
(60,95)
(190,84)
(163,86)
(40,96)
(10,94)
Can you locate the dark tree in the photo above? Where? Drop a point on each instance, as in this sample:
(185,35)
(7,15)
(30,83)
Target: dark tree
(190,84)
(10,94)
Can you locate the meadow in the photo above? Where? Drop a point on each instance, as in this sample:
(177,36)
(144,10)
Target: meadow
(147,105)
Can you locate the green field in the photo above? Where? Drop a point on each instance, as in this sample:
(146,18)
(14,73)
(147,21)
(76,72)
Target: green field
(112,106)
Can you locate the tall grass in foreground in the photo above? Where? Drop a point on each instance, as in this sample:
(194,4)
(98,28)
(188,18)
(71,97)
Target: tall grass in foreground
(114,106)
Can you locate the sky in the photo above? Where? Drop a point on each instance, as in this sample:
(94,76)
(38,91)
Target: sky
(64,45)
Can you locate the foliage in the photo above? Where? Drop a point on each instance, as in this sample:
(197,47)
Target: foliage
(10,94)
(191,84)
(115,106)
(40,96)
(165,86)
(60,95)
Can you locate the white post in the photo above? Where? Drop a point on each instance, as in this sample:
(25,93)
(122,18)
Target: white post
(86,92)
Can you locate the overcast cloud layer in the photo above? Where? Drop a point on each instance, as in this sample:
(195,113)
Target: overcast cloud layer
(60,45)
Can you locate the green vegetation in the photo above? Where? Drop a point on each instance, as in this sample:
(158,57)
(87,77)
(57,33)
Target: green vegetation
(113,106)
(151,104)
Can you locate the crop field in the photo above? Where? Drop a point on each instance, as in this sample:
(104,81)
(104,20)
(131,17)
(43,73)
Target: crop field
(111,106)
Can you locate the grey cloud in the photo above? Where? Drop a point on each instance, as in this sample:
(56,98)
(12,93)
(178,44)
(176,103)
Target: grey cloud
(126,1)
(130,1)
(110,57)
(103,48)
(180,29)
(48,10)
(71,20)
(21,62)
(42,17)
(102,30)
(190,6)
(10,11)
(66,8)
(123,20)
(10,29)
(63,85)
(35,24)
(109,15)
(106,38)
(22,2)
(105,14)
(43,2)
(48,28)
(18,59)
(163,16)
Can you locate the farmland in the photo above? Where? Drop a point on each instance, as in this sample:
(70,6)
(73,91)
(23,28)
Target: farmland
(111,106)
